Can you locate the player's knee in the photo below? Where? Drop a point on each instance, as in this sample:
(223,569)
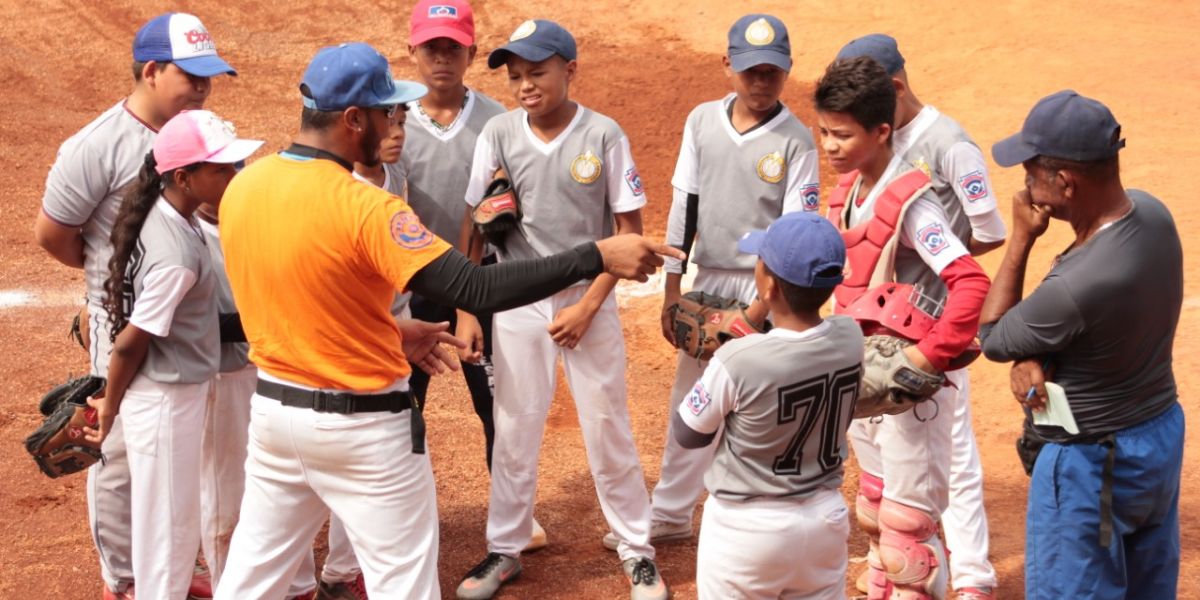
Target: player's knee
(870,493)
(908,546)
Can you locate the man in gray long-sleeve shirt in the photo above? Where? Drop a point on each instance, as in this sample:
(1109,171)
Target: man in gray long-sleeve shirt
(1103,515)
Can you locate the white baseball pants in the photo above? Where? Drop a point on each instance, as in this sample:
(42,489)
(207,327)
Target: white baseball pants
(965,521)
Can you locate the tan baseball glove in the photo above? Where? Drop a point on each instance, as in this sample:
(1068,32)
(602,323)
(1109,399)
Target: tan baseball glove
(891,383)
(702,322)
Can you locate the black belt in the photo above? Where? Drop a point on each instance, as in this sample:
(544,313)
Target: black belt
(346,403)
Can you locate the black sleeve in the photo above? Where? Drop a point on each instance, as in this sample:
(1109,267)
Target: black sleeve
(231,328)
(690,222)
(453,280)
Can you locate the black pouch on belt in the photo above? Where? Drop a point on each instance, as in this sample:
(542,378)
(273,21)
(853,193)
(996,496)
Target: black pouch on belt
(1029,445)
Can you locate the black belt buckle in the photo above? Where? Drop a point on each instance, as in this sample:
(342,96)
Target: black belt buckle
(333,403)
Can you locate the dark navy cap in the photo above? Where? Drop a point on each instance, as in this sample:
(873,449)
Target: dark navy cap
(759,40)
(354,74)
(1063,125)
(879,46)
(798,247)
(182,39)
(535,41)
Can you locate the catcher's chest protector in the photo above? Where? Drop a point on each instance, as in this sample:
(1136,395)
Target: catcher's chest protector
(871,246)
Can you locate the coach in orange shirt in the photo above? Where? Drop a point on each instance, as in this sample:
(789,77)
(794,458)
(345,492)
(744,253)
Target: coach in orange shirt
(314,258)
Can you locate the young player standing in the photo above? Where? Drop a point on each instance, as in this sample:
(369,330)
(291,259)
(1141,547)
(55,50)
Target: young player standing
(160,299)
(933,142)
(174,58)
(897,230)
(574,175)
(744,161)
(776,407)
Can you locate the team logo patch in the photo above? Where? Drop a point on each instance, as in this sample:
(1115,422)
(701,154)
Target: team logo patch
(811,197)
(760,33)
(408,231)
(634,180)
(923,166)
(586,168)
(523,31)
(974,186)
(771,167)
(698,399)
(441,11)
(933,238)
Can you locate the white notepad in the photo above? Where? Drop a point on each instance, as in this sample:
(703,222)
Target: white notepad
(1058,411)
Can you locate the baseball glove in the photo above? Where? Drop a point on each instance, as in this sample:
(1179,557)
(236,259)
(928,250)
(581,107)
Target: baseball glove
(499,213)
(702,322)
(891,383)
(58,446)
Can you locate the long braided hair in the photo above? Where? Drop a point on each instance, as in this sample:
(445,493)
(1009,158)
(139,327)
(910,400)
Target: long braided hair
(136,205)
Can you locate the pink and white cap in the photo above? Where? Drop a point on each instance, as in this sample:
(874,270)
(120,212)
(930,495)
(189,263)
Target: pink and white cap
(199,136)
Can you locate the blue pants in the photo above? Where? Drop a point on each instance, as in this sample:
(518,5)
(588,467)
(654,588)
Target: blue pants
(1063,554)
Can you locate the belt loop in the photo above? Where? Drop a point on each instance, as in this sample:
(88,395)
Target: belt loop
(417,425)
(1106,490)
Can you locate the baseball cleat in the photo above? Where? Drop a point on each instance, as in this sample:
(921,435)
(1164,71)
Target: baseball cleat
(660,533)
(975,593)
(125,595)
(538,540)
(644,579)
(201,586)
(355,589)
(485,579)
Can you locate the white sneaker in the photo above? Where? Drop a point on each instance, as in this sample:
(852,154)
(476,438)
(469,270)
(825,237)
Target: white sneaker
(644,579)
(538,540)
(659,533)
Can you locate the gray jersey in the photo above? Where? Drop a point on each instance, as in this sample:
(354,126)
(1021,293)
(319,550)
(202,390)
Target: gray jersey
(744,180)
(86,184)
(569,188)
(926,153)
(785,400)
(186,346)
(439,163)
(1105,319)
(234,355)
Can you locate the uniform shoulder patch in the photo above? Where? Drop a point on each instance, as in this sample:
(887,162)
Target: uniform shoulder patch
(408,232)
(810,195)
(933,238)
(974,185)
(698,399)
(634,180)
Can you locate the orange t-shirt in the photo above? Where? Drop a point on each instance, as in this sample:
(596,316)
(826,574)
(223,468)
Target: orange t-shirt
(314,258)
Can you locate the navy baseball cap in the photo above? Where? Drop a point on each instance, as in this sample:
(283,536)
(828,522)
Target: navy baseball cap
(1063,125)
(354,74)
(535,41)
(182,39)
(801,248)
(879,46)
(759,40)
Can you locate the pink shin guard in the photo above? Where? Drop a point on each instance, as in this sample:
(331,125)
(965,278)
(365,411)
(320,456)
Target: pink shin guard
(911,552)
(870,494)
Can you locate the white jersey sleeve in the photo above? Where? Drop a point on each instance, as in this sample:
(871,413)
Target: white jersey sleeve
(625,190)
(162,291)
(676,223)
(483,167)
(964,166)
(803,184)
(927,230)
(712,398)
(687,167)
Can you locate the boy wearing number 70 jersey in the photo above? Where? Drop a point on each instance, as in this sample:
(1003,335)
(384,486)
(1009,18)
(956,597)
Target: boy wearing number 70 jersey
(778,406)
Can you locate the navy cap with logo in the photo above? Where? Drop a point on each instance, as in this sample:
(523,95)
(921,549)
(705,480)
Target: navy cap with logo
(1063,125)
(802,248)
(759,40)
(879,46)
(354,74)
(535,41)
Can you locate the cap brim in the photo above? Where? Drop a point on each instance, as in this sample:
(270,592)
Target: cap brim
(748,60)
(433,33)
(205,66)
(752,242)
(529,52)
(235,152)
(1012,151)
(406,91)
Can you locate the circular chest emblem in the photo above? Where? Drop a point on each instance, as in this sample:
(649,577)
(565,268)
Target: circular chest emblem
(771,168)
(586,168)
(408,231)
(923,166)
(760,33)
(523,31)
